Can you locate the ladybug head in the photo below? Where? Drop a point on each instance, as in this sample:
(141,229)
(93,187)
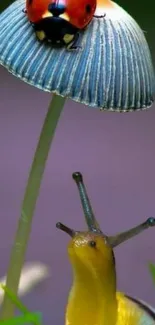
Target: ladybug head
(56,8)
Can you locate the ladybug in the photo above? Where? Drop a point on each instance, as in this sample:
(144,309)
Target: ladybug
(59,21)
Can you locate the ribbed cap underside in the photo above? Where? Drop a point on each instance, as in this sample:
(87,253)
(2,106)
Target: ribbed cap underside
(113,71)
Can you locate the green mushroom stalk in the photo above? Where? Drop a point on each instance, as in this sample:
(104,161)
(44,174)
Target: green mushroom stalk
(29,203)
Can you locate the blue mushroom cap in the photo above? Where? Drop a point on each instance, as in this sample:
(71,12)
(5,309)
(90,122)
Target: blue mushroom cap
(112,70)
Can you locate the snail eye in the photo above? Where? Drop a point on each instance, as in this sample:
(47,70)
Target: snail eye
(92,243)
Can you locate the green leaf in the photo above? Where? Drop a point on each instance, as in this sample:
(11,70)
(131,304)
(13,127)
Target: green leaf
(15,300)
(28,316)
(23,320)
(152,271)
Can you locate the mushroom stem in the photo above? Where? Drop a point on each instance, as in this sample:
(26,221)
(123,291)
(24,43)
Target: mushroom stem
(29,203)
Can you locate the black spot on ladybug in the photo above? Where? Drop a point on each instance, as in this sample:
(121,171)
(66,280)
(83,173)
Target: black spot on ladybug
(30,2)
(88,9)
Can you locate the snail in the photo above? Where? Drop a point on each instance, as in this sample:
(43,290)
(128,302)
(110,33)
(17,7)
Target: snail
(93,298)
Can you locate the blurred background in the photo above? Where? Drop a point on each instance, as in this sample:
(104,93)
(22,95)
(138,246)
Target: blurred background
(116,154)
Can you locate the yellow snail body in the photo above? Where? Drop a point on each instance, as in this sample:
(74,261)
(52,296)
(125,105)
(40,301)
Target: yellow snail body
(93,299)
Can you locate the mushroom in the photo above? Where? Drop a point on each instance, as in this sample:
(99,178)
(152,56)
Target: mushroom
(112,71)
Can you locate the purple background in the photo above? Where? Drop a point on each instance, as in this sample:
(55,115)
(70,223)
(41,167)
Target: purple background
(116,154)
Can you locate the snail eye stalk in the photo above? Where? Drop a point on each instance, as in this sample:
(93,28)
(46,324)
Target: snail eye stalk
(86,205)
(92,223)
(116,240)
(66,229)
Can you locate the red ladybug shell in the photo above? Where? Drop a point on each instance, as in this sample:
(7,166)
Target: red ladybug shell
(36,9)
(78,12)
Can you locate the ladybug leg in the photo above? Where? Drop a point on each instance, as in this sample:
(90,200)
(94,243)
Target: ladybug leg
(24,11)
(72,45)
(97,16)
